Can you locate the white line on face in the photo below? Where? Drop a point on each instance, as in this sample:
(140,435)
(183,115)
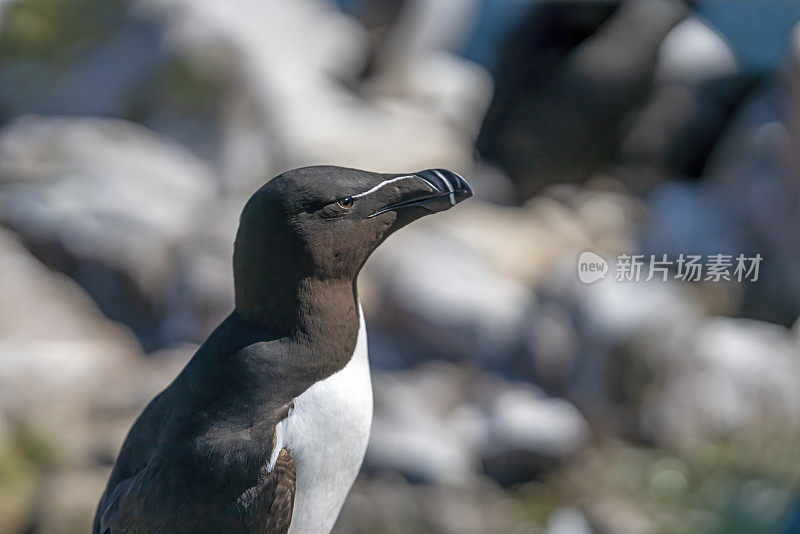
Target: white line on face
(449,186)
(392,180)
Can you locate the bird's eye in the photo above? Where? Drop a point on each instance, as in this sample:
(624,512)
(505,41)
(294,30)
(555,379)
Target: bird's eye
(346,202)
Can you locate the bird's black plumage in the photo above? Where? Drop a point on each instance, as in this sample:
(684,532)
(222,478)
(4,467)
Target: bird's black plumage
(197,458)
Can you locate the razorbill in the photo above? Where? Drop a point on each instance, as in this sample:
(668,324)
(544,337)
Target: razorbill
(265,428)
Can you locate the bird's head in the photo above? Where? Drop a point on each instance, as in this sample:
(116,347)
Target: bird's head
(323,222)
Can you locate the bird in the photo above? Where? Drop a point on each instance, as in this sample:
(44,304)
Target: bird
(265,428)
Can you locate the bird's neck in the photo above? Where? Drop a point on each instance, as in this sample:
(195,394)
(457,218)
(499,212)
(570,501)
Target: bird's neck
(314,328)
(301,308)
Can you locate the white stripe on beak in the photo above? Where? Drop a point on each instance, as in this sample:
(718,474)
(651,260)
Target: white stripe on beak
(449,186)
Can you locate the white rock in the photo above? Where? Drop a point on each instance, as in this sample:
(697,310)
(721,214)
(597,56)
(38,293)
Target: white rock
(110,203)
(437,423)
(732,374)
(289,59)
(527,243)
(523,420)
(693,52)
(59,357)
(568,521)
(412,430)
(426,25)
(619,310)
(105,190)
(446,294)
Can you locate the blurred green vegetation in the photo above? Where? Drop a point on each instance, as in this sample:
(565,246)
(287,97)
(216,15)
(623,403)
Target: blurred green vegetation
(24,456)
(58,34)
(191,88)
(745,484)
(54,31)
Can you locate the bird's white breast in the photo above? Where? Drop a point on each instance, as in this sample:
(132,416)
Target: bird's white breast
(327,434)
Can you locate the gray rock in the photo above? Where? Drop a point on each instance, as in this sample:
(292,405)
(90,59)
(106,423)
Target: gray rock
(54,343)
(563,95)
(522,419)
(529,434)
(104,201)
(438,424)
(652,363)
(611,514)
(754,170)
(414,430)
(441,291)
(67,500)
(610,373)
(459,286)
(731,374)
(419,48)
(698,82)
(68,375)
(202,293)
(386,502)
(71,384)
(553,345)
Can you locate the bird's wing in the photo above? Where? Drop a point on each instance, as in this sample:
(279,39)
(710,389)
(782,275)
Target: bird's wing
(125,499)
(124,509)
(164,481)
(267,507)
(158,498)
(132,507)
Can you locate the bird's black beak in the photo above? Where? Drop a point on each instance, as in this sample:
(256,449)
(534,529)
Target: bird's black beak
(438,190)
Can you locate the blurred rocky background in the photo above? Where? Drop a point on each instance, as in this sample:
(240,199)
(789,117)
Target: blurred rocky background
(510,397)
